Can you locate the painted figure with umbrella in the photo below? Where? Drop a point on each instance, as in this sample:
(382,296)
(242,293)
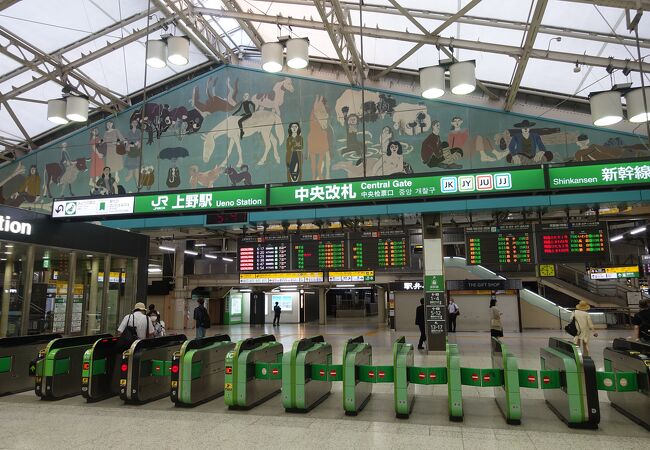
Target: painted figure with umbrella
(172,154)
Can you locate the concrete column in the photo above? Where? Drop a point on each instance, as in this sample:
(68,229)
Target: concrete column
(6,295)
(434,283)
(104,317)
(381,305)
(28,273)
(179,290)
(69,301)
(322,307)
(91,311)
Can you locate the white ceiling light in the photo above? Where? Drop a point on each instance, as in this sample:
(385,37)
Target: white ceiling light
(167,249)
(227,259)
(156,50)
(200,245)
(178,50)
(638,230)
(191,253)
(76,108)
(298,53)
(616,238)
(56,111)
(272,57)
(606,108)
(154,270)
(463,77)
(432,81)
(210,256)
(636,111)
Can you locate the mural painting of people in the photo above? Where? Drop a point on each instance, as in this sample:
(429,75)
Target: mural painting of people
(527,147)
(294,153)
(173,154)
(436,153)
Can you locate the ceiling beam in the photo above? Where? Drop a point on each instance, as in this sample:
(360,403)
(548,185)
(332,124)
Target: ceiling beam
(509,50)
(623,4)
(320,6)
(350,43)
(20,126)
(522,62)
(7,3)
(245,25)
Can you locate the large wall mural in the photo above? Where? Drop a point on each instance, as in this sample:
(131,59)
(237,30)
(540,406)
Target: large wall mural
(240,127)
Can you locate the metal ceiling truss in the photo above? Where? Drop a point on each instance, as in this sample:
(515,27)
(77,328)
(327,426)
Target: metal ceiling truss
(522,62)
(487,47)
(337,41)
(245,25)
(350,44)
(20,126)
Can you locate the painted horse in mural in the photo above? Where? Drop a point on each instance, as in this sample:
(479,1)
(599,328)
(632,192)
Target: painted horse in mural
(266,123)
(275,98)
(318,140)
(64,178)
(213,102)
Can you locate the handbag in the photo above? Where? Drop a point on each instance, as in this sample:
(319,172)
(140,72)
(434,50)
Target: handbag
(571,327)
(120,147)
(129,335)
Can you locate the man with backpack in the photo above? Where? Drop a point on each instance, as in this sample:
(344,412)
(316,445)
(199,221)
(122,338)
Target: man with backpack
(202,319)
(136,325)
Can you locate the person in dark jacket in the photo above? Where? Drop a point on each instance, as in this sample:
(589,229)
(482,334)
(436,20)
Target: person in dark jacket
(641,322)
(419,321)
(276,316)
(202,319)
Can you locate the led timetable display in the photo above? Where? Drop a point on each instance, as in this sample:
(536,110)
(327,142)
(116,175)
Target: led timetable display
(499,245)
(383,250)
(264,253)
(578,242)
(317,251)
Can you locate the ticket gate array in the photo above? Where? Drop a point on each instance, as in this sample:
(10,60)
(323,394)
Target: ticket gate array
(145,371)
(58,366)
(198,370)
(16,355)
(634,357)
(253,372)
(100,373)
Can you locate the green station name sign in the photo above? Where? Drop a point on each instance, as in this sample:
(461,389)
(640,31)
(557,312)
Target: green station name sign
(200,201)
(599,175)
(413,187)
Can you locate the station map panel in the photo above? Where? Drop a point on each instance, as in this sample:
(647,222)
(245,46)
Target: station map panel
(511,244)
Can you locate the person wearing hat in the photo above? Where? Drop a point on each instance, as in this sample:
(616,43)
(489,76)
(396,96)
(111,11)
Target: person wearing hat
(139,320)
(584,325)
(527,147)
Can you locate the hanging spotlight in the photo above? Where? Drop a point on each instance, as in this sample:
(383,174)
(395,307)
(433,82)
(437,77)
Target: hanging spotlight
(156,50)
(56,111)
(606,108)
(178,50)
(76,108)
(298,53)
(432,81)
(636,111)
(272,57)
(463,77)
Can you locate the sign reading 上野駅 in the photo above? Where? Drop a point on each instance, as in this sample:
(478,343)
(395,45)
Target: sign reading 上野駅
(408,188)
(351,275)
(102,206)
(599,175)
(613,273)
(273,278)
(197,201)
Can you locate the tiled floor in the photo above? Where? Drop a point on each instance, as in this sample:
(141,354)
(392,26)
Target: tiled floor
(26,422)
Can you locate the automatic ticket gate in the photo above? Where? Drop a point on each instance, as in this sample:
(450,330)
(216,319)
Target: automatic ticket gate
(253,372)
(16,356)
(305,371)
(627,356)
(100,372)
(576,402)
(508,394)
(145,370)
(355,393)
(59,365)
(198,370)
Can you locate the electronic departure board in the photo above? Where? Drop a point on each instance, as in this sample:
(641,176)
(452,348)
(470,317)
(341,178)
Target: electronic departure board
(508,244)
(573,242)
(263,253)
(319,251)
(381,250)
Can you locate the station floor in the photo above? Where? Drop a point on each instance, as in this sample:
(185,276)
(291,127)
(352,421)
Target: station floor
(26,422)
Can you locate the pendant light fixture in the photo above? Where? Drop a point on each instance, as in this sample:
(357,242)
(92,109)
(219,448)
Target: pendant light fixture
(298,53)
(178,50)
(76,109)
(636,111)
(462,77)
(156,53)
(56,111)
(606,108)
(272,57)
(432,81)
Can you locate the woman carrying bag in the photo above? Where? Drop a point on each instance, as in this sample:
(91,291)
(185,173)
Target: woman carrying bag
(496,329)
(584,326)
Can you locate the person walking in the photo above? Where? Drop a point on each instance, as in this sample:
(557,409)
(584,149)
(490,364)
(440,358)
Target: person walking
(136,325)
(641,322)
(496,329)
(158,325)
(584,325)
(419,321)
(202,319)
(276,314)
(454,312)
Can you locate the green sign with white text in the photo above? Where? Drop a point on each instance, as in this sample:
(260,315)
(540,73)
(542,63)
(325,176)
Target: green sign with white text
(434,283)
(199,201)
(414,187)
(599,175)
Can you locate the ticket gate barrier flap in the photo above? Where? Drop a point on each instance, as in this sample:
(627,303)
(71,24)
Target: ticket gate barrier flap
(301,391)
(17,363)
(470,376)
(268,371)
(507,395)
(356,395)
(375,374)
(327,372)
(427,375)
(629,357)
(138,384)
(59,366)
(242,389)
(100,370)
(404,390)
(454,385)
(198,370)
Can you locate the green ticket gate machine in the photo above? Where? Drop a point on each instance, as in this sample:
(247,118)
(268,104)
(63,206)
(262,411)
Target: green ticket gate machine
(576,402)
(356,394)
(16,356)
(145,371)
(403,388)
(632,396)
(100,372)
(507,395)
(253,372)
(58,366)
(198,370)
(306,374)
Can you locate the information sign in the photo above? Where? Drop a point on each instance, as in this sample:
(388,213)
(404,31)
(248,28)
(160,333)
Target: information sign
(358,276)
(599,175)
(277,278)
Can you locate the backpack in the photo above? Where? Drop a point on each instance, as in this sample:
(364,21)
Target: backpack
(159,328)
(130,333)
(571,327)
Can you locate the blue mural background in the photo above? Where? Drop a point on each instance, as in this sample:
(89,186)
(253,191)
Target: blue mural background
(293,129)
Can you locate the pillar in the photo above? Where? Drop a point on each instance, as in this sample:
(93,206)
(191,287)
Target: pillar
(322,306)
(28,273)
(381,305)
(104,317)
(179,289)
(91,310)
(6,295)
(69,301)
(434,283)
